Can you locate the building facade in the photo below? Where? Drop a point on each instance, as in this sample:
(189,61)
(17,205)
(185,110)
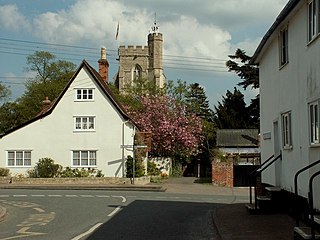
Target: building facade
(142,62)
(85,127)
(288,59)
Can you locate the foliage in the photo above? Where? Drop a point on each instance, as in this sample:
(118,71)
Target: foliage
(176,169)
(4,92)
(45,168)
(138,165)
(4,172)
(51,76)
(78,173)
(173,130)
(232,113)
(247,72)
(152,169)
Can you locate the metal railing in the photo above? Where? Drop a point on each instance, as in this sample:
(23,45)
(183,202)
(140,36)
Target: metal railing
(296,188)
(310,196)
(259,170)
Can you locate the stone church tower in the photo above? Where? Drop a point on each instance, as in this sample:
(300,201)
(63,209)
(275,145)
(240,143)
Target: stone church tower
(142,62)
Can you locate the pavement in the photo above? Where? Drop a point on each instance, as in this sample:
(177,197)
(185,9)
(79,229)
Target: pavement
(231,221)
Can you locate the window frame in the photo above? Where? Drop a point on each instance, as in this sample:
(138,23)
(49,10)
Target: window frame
(284,47)
(314,131)
(83,94)
(26,161)
(286,130)
(84,123)
(313,19)
(90,161)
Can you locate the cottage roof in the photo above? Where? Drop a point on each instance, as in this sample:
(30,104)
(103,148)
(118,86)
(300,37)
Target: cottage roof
(292,4)
(97,78)
(237,138)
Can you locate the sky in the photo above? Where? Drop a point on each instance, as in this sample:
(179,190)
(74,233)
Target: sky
(198,35)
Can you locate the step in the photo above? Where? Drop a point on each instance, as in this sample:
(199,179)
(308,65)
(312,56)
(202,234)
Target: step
(304,233)
(252,209)
(316,219)
(273,189)
(263,198)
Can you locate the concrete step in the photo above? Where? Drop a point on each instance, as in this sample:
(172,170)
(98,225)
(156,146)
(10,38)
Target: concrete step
(263,198)
(301,233)
(273,189)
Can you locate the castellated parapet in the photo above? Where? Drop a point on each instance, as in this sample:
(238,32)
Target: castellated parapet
(134,50)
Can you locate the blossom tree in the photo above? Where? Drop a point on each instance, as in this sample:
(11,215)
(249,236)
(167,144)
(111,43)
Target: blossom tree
(174,131)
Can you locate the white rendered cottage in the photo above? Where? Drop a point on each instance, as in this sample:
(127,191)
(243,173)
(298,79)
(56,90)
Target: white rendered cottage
(289,65)
(84,128)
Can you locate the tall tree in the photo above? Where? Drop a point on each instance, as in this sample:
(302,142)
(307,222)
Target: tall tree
(51,76)
(4,92)
(232,113)
(249,74)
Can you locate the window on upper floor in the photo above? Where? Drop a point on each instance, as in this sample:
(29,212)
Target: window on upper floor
(314,122)
(19,158)
(286,130)
(84,158)
(283,43)
(84,94)
(313,19)
(84,123)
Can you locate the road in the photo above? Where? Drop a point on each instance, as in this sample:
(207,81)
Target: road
(99,214)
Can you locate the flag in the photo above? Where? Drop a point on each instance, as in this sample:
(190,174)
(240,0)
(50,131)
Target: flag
(117,31)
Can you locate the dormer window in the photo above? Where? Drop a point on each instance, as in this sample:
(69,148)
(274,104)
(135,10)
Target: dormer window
(84,94)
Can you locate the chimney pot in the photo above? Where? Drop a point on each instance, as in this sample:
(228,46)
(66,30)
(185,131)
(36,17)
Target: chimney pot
(103,65)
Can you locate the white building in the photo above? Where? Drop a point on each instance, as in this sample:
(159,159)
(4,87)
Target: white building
(84,128)
(289,62)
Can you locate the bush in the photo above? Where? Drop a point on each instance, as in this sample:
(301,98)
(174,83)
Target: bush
(4,172)
(45,168)
(139,168)
(75,172)
(152,169)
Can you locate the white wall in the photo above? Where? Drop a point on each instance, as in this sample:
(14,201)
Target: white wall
(290,88)
(54,135)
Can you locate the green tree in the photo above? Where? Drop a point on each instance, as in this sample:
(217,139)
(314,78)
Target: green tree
(4,92)
(249,74)
(231,112)
(51,76)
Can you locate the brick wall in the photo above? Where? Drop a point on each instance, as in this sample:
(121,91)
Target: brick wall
(222,172)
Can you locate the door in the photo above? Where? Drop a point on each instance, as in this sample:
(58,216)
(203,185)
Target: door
(277,150)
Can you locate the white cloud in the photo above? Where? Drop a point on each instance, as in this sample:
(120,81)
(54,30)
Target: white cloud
(11,18)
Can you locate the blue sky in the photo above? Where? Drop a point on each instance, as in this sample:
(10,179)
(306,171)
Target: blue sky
(198,35)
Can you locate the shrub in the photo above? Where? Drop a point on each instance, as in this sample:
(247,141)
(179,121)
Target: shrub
(139,168)
(4,172)
(45,168)
(75,172)
(152,169)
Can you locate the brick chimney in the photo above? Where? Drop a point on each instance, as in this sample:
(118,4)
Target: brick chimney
(103,65)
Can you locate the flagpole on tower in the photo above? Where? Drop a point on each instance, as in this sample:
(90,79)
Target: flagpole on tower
(117,35)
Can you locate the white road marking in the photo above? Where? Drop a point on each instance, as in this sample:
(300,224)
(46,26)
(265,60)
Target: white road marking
(71,195)
(54,195)
(86,196)
(38,195)
(123,198)
(87,232)
(39,210)
(19,195)
(4,195)
(102,196)
(114,211)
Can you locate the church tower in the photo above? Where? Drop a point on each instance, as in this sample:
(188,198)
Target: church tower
(142,62)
